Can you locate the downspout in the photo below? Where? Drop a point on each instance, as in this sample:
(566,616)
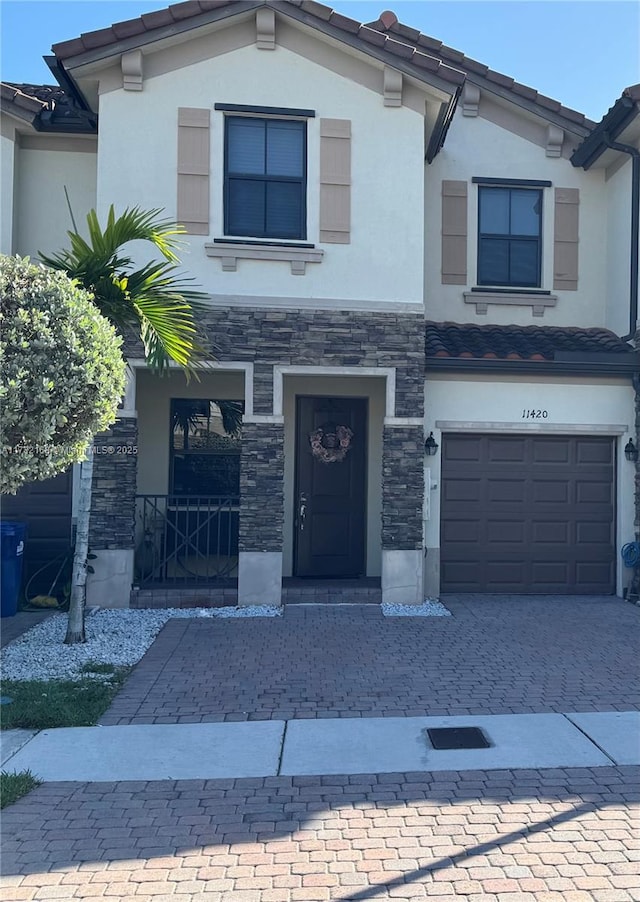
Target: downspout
(634,153)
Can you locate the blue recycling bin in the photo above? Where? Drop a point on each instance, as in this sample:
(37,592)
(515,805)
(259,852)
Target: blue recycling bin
(12,535)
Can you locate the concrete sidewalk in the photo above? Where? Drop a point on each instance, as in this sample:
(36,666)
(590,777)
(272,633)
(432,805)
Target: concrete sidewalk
(328,746)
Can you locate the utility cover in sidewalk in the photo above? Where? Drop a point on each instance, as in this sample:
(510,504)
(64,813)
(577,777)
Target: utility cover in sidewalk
(458,738)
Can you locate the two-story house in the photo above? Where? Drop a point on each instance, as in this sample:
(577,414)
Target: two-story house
(401,246)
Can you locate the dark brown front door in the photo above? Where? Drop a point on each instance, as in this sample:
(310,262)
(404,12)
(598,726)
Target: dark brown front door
(330,511)
(528,514)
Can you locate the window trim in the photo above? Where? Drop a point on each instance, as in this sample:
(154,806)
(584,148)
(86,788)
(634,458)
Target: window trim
(259,111)
(512,183)
(266,179)
(528,185)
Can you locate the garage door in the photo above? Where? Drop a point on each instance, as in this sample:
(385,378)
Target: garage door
(46,509)
(528,514)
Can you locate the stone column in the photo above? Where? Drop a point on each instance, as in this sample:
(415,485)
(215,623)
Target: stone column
(113,511)
(261,513)
(402,512)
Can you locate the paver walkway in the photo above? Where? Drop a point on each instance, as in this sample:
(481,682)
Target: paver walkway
(499,836)
(493,656)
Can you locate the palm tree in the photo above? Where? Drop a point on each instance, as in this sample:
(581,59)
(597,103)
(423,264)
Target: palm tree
(155,301)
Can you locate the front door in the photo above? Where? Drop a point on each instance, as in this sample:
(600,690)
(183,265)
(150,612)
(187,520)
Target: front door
(330,512)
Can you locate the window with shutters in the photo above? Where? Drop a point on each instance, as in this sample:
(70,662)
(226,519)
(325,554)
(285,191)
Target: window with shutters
(265,178)
(509,236)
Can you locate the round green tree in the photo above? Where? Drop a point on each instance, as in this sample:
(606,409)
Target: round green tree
(62,373)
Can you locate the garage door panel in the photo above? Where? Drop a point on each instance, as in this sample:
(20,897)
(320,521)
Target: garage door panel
(461,573)
(550,532)
(551,451)
(595,572)
(508,532)
(464,447)
(550,491)
(596,533)
(461,530)
(539,520)
(512,491)
(593,451)
(463,490)
(592,492)
(545,573)
(507,449)
(505,571)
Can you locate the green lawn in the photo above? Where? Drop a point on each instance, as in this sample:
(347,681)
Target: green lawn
(14,786)
(43,704)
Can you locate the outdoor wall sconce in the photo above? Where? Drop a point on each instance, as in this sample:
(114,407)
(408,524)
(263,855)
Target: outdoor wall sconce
(630,451)
(431,445)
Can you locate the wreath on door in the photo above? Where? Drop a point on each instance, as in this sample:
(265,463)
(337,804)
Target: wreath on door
(330,443)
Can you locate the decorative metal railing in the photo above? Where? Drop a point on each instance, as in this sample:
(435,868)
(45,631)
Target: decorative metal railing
(186,539)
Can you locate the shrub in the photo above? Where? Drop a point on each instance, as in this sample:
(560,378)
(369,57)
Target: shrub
(62,373)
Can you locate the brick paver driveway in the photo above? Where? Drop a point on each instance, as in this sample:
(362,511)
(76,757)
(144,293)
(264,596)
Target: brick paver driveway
(493,656)
(499,836)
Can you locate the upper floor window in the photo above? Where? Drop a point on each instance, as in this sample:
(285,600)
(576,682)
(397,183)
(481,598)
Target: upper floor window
(509,236)
(265,178)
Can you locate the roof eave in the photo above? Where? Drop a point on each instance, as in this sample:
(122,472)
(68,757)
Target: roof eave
(619,117)
(447,79)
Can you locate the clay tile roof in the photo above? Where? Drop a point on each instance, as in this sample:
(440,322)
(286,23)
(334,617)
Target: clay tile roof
(449,56)
(30,96)
(397,45)
(518,342)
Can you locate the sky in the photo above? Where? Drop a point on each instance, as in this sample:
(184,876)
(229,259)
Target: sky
(580,52)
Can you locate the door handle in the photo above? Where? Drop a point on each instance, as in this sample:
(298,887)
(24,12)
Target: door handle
(302,511)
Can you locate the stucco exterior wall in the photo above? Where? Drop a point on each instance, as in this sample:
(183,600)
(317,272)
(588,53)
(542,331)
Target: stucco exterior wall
(7,170)
(617,262)
(42,214)
(477,147)
(485,403)
(383,260)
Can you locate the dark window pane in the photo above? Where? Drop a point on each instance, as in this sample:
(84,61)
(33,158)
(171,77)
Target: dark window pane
(206,474)
(494,211)
(493,261)
(246,146)
(205,458)
(246,202)
(524,263)
(284,209)
(525,212)
(285,149)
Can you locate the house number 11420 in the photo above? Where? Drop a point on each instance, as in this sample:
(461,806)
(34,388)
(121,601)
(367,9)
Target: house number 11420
(534,414)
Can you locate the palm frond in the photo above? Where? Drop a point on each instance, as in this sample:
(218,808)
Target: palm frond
(156,298)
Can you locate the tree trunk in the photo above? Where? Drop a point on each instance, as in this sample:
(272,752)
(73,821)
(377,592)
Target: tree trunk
(75,625)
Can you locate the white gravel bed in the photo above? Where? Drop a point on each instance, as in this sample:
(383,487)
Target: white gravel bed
(430,608)
(119,637)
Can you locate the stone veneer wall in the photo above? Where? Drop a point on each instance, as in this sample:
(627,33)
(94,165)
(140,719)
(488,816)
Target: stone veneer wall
(337,338)
(113,495)
(266,337)
(261,487)
(402,487)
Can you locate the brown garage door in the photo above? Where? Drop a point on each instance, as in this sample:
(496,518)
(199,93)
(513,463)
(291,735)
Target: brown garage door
(528,514)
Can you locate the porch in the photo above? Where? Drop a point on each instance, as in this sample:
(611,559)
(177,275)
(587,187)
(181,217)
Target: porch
(200,502)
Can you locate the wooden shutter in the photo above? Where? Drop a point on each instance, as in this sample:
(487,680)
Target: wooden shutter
(454,232)
(193,170)
(335,181)
(565,239)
